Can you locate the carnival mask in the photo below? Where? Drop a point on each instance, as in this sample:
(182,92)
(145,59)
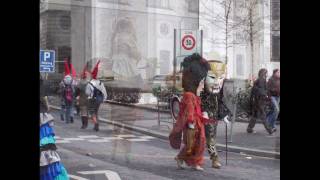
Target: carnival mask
(67,79)
(214,83)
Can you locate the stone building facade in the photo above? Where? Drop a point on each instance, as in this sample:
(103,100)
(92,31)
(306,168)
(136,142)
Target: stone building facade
(138,35)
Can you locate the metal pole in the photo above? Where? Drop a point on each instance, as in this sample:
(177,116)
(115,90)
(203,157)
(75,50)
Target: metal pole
(174,59)
(234,114)
(201,49)
(226,143)
(159,108)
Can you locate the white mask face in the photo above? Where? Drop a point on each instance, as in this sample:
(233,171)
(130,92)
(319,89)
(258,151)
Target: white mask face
(215,84)
(68,79)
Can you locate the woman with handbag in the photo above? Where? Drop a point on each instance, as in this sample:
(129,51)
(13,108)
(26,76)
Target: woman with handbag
(97,94)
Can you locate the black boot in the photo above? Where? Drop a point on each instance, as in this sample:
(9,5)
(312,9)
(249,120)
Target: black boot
(71,119)
(84,122)
(61,117)
(96,127)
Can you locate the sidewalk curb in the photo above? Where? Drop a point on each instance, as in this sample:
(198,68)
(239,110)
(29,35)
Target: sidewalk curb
(137,106)
(162,111)
(235,149)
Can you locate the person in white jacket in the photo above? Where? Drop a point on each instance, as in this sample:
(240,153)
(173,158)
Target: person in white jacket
(97,94)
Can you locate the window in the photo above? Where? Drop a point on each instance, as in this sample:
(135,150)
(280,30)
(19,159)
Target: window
(158,4)
(63,52)
(164,61)
(239,3)
(239,59)
(164,29)
(125,2)
(275,48)
(193,6)
(275,10)
(65,22)
(239,37)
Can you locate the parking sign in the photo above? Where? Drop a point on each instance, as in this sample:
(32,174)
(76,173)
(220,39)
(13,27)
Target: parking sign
(47,61)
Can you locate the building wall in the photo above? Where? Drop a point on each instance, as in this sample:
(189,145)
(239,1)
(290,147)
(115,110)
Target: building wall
(275,30)
(239,56)
(153,23)
(55,34)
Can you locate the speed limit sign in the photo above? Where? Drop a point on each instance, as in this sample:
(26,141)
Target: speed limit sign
(188,42)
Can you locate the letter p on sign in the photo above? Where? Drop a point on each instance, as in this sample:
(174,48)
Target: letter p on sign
(46,56)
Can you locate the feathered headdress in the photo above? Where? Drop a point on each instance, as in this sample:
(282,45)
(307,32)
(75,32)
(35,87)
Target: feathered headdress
(95,70)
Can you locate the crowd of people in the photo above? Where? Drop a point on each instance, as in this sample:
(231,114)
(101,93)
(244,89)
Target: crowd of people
(262,93)
(202,106)
(195,130)
(84,95)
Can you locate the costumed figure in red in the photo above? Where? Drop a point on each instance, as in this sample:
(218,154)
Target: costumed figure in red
(189,129)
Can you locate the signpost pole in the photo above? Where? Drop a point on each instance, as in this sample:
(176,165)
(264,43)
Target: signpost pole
(234,112)
(201,50)
(174,59)
(159,107)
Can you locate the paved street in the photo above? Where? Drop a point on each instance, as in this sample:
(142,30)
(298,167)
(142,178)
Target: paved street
(117,153)
(137,117)
(149,119)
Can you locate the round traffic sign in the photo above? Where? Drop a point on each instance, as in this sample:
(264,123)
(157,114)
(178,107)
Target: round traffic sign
(188,42)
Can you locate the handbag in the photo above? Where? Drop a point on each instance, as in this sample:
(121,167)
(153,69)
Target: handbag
(175,139)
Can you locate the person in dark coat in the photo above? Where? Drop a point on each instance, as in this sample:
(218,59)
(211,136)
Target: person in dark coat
(258,101)
(83,97)
(274,94)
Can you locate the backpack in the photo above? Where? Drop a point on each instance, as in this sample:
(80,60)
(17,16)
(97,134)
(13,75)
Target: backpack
(97,94)
(68,94)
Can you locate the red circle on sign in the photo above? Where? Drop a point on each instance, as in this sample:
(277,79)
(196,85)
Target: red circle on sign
(192,45)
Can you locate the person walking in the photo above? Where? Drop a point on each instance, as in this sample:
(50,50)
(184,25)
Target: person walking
(213,104)
(67,90)
(258,99)
(83,97)
(97,94)
(274,95)
(190,122)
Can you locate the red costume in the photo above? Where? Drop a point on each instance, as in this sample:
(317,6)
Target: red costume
(190,112)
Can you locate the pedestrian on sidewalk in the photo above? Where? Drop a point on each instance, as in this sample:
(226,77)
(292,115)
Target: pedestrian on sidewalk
(67,91)
(190,122)
(77,92)
(258,102)
(274,95)
(97,94)
(83,97)
(50,161)
(213,104)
